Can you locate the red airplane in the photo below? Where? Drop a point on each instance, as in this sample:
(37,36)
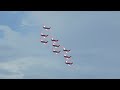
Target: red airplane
(44,41)
(46,27)
(69,63)
(54,40)
(56,45)
(43,35)
(67,56)
(56,51)
(66,50)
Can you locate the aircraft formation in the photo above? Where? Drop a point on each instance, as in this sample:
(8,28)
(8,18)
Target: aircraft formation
(56,47)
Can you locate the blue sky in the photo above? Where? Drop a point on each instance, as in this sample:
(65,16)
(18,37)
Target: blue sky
(92,36)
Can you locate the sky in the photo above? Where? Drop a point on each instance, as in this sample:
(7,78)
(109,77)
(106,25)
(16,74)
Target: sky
(92,36)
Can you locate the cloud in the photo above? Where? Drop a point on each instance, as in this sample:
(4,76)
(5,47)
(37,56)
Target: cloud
(19,67)
(57,20)
(23,53)
(13,12)
(14,76)
(10,37)
(23,56)
(21,44)
(27,23)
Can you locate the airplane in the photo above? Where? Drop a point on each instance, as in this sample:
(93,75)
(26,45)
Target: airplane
(56,51)
(69,63)
(56,45)
(54,40)
(43,35)
(46,27)
(66,50)
(44,41)
(67,56)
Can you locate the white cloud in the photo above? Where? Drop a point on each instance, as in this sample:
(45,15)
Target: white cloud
(14,12)
(10,37)
(27,23)
(55,19)
(21,65)
(14,76)
(32,55)
(21,44)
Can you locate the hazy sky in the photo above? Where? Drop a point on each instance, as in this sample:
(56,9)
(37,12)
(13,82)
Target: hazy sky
(92,36)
